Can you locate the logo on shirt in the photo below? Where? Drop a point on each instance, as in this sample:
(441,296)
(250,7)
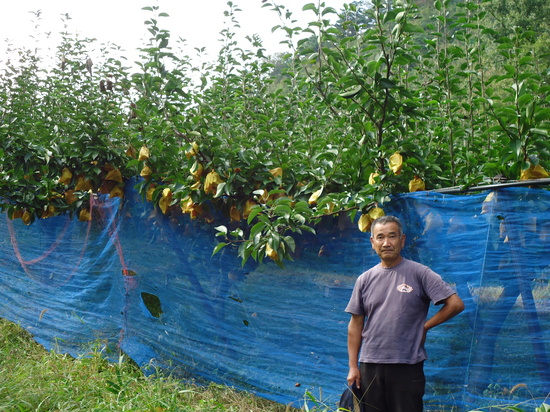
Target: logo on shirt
(404,288)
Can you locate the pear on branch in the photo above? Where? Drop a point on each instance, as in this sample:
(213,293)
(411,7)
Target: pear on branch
(533,172)
(212,181)
(396,163)
(143,153)
(417,185)
(165,200)
(66,176)
(315,196)
(146,172)
(84,215)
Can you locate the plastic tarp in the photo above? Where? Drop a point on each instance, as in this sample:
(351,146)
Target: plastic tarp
(137,280)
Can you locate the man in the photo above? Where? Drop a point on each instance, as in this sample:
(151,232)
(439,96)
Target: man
(388,326)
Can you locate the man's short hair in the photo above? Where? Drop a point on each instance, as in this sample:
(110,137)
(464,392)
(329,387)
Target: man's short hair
(382,220)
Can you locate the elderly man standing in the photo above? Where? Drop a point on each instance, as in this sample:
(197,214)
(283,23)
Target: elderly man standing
(386,334)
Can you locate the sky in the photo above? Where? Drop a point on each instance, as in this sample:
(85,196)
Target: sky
(199,22)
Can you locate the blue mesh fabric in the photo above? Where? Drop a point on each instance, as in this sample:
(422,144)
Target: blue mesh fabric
(135,279)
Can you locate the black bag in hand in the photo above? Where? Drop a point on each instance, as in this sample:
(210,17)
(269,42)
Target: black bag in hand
(349,401)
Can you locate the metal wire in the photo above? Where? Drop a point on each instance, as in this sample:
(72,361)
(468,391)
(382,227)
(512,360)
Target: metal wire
(513,183)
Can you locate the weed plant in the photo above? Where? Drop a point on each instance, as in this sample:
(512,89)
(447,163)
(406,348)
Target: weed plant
(33,379)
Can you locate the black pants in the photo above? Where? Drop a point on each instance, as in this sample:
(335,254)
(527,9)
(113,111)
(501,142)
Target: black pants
(392,387)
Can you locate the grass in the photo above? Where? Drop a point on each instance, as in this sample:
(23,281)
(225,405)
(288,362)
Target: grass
(33,379)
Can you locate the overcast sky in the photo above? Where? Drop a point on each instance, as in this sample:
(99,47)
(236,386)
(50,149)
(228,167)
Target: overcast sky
(120,22)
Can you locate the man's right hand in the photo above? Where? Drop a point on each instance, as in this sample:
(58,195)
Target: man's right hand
(354,377)
(355,331)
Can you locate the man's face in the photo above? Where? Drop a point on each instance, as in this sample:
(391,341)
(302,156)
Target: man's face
(387,243)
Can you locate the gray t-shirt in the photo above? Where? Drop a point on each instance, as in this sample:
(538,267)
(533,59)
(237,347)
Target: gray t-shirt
(395,303)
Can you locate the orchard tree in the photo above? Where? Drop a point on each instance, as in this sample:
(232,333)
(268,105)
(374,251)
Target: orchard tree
(385,100)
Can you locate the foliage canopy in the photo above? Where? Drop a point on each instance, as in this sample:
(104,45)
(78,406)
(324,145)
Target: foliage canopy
(389,98)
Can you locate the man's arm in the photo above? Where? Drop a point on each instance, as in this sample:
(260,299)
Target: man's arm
(452,306)
(355,331)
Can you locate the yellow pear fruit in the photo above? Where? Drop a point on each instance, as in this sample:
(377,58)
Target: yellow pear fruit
(396,163)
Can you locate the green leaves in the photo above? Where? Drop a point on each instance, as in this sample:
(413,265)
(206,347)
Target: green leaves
(276,130)
(351,93)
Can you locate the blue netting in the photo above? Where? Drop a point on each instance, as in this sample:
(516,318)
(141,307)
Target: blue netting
(147,283)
